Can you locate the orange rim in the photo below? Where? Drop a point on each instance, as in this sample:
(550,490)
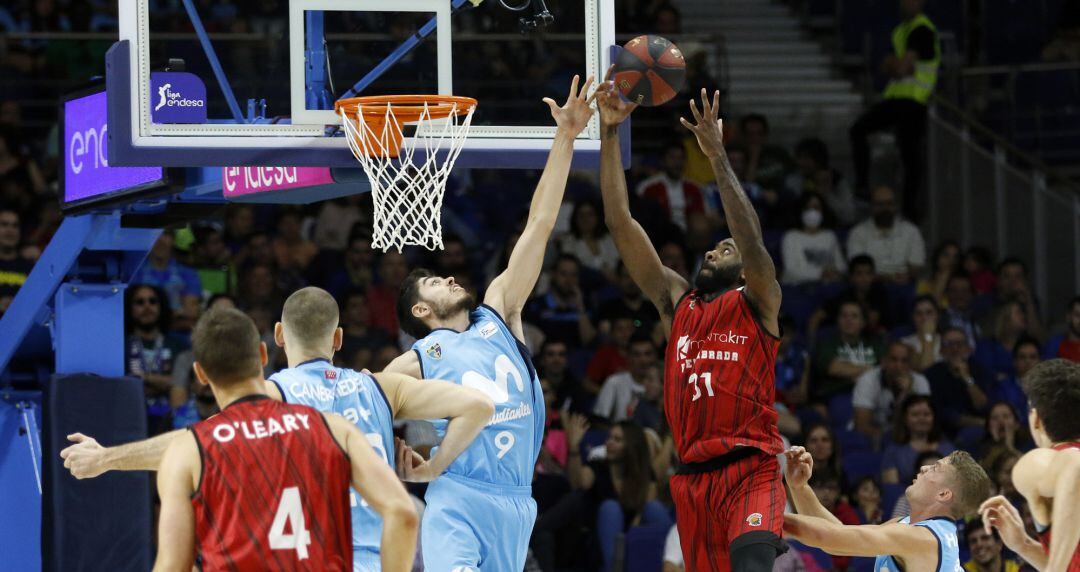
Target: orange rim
(406,108)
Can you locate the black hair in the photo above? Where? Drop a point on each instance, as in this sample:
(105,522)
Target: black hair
(407,298)
(816,149)
(1026,341)
(861,260)
(752,118)
(164,310)
(1053,390)
(1012,261)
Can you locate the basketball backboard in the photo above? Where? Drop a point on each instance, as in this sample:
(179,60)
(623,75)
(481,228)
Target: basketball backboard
(297,57)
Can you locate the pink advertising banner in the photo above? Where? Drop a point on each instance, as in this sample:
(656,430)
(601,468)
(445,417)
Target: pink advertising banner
(239,181)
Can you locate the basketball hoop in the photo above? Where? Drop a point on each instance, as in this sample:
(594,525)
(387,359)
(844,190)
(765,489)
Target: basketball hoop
(407,193)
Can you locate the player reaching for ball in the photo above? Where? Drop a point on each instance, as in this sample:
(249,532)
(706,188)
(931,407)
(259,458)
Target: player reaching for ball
(718,372)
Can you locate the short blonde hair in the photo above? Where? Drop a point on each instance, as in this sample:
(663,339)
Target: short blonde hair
(971,484)
(310,316)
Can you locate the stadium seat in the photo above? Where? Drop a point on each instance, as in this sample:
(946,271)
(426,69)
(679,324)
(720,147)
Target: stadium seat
(841,411)
(968,438)
(859,464)
(890,494)
(645,548)
(852,441)
(862,565)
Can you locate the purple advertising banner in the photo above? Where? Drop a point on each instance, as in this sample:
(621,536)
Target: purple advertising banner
(177,97)
(86,156)
(236,181)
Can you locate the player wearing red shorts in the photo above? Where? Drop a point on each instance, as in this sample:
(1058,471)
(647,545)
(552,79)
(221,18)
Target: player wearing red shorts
(719,370)
(1049,476)
(265,485)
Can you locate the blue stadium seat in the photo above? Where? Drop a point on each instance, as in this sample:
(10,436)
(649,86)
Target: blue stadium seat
(852,441)
(645,548)
(862,564)
(968,438)
(890,494)
(820,557)
(840,410)
(859,464)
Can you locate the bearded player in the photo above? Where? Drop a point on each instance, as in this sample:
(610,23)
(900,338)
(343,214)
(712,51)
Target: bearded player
(718,372)
(1049,476)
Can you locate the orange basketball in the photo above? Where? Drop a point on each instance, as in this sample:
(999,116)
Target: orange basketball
(649,70)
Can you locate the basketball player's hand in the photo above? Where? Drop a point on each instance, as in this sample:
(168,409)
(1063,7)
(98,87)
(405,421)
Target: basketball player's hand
(707,126)
(411,466)
(800,465)
(613,108)
(999,514)
(575,114)
(85,459)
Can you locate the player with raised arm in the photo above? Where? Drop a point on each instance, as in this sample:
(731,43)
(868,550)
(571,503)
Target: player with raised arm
(480,514)
(265,484)
(940,495)
(310,335)
(719,370)
(1048,477)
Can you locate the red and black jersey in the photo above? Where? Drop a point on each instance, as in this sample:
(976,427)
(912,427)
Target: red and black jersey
(719,378)
(274,490)
(1044,537)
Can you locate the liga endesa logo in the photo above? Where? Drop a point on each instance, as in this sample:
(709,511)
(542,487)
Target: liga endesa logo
(177,97)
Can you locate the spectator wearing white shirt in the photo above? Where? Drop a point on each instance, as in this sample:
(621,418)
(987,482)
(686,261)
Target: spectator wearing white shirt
(589,241)
(896,245)
(812,253)
(879,390)
(621,391)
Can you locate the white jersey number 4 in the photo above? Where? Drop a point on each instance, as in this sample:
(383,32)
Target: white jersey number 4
(292,512)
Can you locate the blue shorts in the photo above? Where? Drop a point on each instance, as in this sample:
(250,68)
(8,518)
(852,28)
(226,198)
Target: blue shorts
(471,526)
(365,560)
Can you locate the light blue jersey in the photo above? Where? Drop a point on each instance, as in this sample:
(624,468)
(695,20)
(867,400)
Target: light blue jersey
(480,512)
(944,530)
(358,398)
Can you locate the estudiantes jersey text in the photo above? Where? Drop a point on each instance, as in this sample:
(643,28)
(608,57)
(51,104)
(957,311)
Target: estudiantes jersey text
(274,490)
(719,378)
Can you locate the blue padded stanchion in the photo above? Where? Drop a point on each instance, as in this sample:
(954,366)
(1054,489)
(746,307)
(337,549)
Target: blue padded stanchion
(102,523)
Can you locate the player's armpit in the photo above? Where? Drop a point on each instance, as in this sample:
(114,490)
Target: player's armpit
(863,540)
(380,487)
(177,478)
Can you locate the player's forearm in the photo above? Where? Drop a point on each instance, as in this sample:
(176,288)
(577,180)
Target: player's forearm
(1033,553)
(544,208)
(398,548)
(1066,519)
(143,455)
(460,433)
(831,537)
(613,183)
(807,504)
(739,212)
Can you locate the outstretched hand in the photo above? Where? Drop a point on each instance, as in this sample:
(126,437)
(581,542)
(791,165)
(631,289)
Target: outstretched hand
(85,458)
(999,514)
(575,114)
(707,126)
(613,108)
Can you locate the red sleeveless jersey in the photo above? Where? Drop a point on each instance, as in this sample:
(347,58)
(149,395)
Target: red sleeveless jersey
(720,378)
(1044,537)
(274,490)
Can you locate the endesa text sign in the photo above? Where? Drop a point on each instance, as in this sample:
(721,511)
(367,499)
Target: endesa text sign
(87,173)
(239,181)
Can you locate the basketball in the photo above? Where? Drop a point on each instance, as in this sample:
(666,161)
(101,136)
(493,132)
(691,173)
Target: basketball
(649,71)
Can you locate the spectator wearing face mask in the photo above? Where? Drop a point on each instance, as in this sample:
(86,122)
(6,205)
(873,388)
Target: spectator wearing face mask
(812,253)
(815,175)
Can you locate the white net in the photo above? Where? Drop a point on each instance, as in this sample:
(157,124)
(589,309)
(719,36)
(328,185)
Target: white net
(407,190)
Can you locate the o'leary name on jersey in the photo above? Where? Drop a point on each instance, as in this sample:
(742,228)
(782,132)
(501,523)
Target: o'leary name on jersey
(358,398)
(488,357)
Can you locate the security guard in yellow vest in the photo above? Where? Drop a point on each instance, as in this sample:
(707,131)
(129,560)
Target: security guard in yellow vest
(912,69)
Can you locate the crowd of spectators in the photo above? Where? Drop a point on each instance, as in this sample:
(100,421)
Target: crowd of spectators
(889,358)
